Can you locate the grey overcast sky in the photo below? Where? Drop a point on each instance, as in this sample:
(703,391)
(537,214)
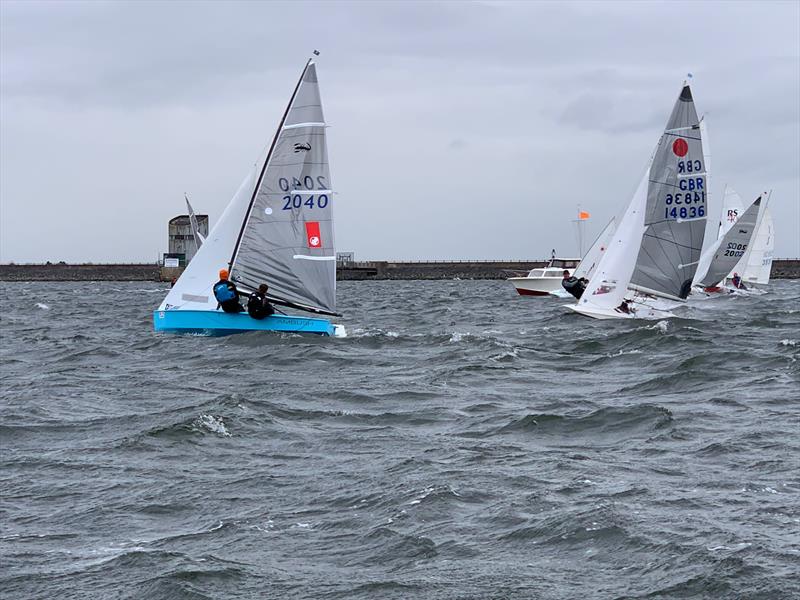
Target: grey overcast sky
(458,130)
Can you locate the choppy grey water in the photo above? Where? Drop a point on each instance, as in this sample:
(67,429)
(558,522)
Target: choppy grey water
(462,442)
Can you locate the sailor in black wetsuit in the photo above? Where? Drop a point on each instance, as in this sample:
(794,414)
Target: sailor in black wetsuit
(226,294)
(737,282)
(574,285)
(258,306)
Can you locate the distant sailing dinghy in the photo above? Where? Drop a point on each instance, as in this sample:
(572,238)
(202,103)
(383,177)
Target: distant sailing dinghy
(277,229)
(654,252)
(755,267)
(728,250)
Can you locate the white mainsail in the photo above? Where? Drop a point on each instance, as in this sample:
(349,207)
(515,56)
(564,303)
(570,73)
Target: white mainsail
(756,264)
(732,207)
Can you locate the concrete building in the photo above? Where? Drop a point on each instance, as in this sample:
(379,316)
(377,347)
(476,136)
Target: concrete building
(181,244)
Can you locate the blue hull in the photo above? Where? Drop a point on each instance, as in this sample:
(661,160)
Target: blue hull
(217,322)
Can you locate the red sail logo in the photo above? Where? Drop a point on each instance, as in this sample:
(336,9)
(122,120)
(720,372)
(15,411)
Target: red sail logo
(313,235)
(680,147)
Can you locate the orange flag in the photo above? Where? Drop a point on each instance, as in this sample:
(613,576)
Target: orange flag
(583,215)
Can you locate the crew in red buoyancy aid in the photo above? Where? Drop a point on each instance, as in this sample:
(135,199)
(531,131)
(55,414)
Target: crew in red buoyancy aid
(226,294)
(737,282)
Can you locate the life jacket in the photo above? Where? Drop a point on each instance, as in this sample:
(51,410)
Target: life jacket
(258,307)
(255,301)
(574,286)
(223,293)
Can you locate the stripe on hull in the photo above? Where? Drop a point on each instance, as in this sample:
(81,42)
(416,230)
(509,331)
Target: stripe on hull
(522,292)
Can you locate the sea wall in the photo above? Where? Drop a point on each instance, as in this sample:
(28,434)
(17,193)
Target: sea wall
(357,271)
(81,272)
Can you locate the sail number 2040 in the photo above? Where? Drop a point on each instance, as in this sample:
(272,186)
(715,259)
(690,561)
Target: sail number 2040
(296,201)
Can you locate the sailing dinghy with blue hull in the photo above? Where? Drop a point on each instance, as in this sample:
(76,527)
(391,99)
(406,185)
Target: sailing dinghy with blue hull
(277,229)
(206,322)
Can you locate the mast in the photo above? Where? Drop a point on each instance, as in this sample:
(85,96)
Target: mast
(266,163)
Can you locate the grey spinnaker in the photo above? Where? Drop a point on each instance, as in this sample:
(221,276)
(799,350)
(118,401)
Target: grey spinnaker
(287,238)
(733,246)
(675,216)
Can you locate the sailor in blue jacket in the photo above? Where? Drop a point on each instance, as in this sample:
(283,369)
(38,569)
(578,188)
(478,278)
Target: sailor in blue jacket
(226,294)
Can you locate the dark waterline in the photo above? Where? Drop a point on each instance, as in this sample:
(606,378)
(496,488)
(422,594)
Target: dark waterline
(462,442)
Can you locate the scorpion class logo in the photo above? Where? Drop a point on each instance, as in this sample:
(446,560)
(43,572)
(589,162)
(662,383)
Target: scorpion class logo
(302,147)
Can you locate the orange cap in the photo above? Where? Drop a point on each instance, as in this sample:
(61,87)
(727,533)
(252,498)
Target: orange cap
(223,273)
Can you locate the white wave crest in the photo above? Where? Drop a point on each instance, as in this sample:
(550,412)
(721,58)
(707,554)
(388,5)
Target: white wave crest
(213,424)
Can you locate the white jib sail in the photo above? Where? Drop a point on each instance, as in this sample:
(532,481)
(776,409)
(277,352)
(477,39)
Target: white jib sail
(609,285)
(732,208)
(193,290)
(589,263)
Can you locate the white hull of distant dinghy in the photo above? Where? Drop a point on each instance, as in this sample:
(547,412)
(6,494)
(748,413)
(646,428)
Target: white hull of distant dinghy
(641,312)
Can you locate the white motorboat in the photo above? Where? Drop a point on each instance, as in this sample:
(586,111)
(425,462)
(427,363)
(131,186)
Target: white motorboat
(545,281)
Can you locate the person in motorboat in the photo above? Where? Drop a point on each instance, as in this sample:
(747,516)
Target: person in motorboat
(226,294)
(258,306)
(737,282)
(574,285)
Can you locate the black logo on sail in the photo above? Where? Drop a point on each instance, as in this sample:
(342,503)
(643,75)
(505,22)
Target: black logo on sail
(302,147)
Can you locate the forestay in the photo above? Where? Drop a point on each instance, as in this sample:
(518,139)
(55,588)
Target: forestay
(730,249)
(287,238)
(675,215)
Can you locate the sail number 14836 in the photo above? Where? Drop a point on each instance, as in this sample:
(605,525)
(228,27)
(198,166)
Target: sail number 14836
(685,205)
